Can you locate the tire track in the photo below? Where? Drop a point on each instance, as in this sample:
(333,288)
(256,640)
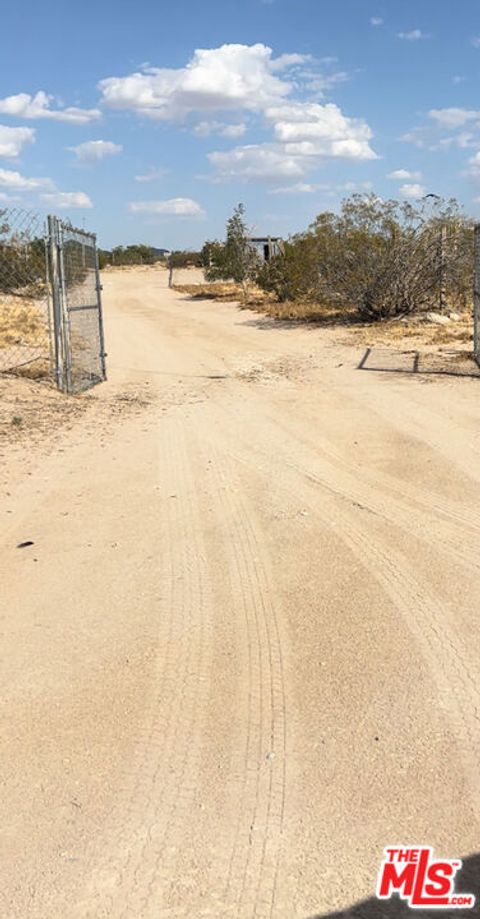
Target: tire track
(455,672)
(160,797)
(253,865)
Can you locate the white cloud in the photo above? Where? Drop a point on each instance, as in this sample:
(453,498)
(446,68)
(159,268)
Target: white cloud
(457,79)
(12,140)
(151,175)
(23,105)
(178,207)
(67,199)
(403,175)
(475,41)
(311,129)
(249,79)
(376,21)
(299,188)
(322,83)
(462,140)
(14,180)
(228,78)
(330,191)
(206,128)
(413,190)
(264,162)
(285,61)
(452,118)
(234,130)
(94,150)
(413,35)
(447,127)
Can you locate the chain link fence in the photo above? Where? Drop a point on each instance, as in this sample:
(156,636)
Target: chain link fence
(79,344)
(25,314)
(476,296)
(51,321)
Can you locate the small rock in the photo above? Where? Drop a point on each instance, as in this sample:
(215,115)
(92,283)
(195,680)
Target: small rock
(437,318)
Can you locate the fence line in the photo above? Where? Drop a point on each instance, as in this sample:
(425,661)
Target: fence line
(51,322)
(476,296)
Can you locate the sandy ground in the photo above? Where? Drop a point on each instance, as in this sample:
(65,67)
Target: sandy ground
(242,654)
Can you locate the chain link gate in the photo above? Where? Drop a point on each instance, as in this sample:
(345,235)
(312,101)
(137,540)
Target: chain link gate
(476,296)
(77,307)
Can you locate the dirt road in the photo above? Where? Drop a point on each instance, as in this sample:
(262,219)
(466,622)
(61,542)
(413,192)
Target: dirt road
(242,655)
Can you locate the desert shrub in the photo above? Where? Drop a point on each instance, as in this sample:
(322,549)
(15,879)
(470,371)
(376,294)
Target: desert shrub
(385,258)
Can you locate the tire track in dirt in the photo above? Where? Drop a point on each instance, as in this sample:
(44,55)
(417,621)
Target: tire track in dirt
(252,875)
(157,800)
(429,620)
(385,496)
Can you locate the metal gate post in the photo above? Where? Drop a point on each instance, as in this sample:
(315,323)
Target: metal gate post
(56,285)
(67,351)
(476,295)
(99,289)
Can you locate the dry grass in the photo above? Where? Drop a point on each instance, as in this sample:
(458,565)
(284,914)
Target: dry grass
(22,322)
(417,332)
(24,336)
(225,292)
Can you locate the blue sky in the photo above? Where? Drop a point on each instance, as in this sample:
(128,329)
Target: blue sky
(148,122)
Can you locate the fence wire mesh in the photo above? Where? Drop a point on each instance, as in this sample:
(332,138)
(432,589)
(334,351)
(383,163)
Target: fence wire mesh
(476,297)
(25,325)
(81,292)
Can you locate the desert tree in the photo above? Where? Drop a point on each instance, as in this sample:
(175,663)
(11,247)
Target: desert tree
(237,258)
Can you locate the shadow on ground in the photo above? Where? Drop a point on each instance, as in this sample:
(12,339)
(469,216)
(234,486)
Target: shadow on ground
(264,323)
(467,881)
(451,363)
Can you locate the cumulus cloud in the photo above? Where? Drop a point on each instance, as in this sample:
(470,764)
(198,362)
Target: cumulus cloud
(23,105)
(231,77)
(311,129)
(403,175)
(413,190)
(12,140)
(175,207)
(248,79)
(413,35)
(11,179)
(94,150)
(376,21)
(67,200)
